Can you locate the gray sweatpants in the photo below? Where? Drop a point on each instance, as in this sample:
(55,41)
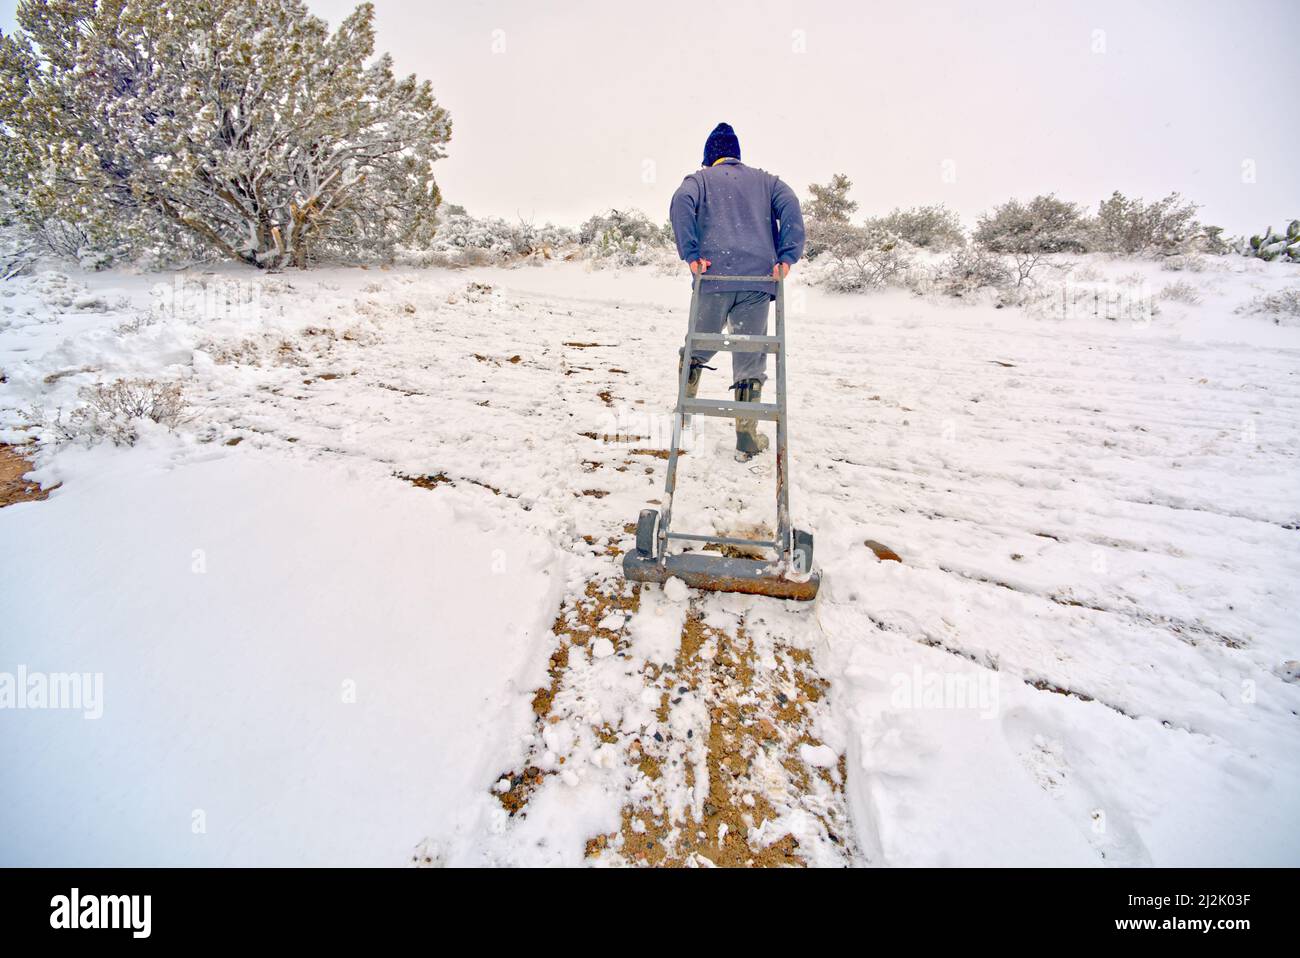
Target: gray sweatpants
(746,314)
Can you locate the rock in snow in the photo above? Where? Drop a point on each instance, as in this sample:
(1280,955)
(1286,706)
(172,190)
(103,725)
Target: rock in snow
(612,622)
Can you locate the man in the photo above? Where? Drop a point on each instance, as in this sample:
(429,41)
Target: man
(739,221)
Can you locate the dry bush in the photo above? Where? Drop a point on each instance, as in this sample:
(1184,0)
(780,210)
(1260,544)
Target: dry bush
(1086,273)
(1282,306)
(1182,292)
(970,269)
(867,259)
(114,411)
(1184,262)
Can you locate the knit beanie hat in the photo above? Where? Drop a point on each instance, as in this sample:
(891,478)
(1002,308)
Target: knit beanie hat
(721,142)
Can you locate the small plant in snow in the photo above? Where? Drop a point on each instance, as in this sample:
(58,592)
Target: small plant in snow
(1184,262)
(1086,273)
(1282,306)
(1181,292)
(114,411)
(136,324)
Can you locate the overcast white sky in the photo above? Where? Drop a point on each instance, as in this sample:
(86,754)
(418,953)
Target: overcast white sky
(564,107)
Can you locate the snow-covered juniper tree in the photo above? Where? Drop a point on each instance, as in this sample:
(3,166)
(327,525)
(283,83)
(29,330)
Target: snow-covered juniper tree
(243,124)
(831,203)
(828,215)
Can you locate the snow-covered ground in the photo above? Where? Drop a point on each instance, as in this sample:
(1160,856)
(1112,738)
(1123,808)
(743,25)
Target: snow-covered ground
(364,604)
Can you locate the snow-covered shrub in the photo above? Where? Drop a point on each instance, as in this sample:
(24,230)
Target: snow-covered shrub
(1181,292)
(1166,227)
(864,259)
(1043,225)
(928,227)
(1271,246)
(18,252)
(1066,298)
(533,240)
(1086,273)
(1029,232)
(65,239)
(1282,306)
(245,126)
(970,269)
(463,240)
(1184,262)
(822,235)
(624,238)
(1024,262)
(114,411)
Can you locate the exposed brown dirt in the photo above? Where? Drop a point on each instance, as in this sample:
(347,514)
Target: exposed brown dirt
(744,728)
(612,547)
(576,624)
(657,453)
(441,479)
(429,482)
(13,488)
(751,722)
(607,437)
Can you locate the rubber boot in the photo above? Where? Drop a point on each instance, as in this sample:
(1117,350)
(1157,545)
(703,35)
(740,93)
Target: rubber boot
(749,441)
(692,380)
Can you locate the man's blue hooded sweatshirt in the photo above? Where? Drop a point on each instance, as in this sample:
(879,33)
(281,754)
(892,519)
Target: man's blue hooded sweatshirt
(743,220)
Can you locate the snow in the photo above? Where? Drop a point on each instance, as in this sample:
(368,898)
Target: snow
(676,590)
(287,659)
(655,631)
(1087,655)
(818,756)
